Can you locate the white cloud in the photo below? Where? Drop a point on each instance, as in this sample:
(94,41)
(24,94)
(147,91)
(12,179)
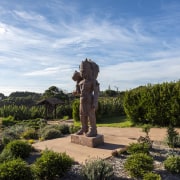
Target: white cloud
(50,71)
(133,74)
(2,30)
(46,50)
(44,72)
(29,16)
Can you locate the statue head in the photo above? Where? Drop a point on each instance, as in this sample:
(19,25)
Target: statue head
(77,76)
(89,69)
(86,70)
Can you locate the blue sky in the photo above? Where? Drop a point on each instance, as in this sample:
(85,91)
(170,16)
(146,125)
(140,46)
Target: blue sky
(42,42)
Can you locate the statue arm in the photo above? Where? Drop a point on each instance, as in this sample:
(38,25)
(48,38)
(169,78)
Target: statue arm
(96,95)
(77,90)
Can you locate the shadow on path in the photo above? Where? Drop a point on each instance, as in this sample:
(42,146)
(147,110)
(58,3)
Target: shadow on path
(110,146)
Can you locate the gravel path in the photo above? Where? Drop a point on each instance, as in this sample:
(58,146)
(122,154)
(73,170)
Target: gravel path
(124,136)
(158,154)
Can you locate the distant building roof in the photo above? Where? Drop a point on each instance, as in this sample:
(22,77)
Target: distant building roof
(50,100)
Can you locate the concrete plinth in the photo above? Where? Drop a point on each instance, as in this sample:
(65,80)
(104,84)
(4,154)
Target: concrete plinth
(87,141)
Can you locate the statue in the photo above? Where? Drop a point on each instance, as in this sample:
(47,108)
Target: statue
(88,88)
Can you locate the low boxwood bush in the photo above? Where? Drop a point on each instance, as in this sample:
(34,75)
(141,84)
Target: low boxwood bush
(12,133)
(64,128)
(138,164)
(73,129)
(9,134)
(6,155)
(51,165)
(19,148)
(151,176)
(8,121)
(30,134)
(66,117)
(75,110)
(138,148)
(172,164)
(51,134)
(96,169)
(33,123)
(15,169)
(172,137)
(146,128)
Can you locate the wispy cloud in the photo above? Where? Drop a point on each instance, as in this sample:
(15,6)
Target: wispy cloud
(128,74)
(45,45)
(50,71)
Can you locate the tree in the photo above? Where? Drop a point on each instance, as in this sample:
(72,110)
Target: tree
(110,93)
(20,98)
(55,92)
(2,96)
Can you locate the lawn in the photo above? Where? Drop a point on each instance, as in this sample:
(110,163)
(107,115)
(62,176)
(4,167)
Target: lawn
(117,121)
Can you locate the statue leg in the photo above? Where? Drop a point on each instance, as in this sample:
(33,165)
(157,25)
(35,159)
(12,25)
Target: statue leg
(84,120)
(92,120)
(84,127)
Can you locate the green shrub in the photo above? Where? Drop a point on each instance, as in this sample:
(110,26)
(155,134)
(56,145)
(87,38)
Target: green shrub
(138,164)
(151,176)
(138,148)
(33,123)
(64,111)
(74,129)
(177,143)
(146,128)
(173,139)
(8,136)
(15,169)
(8,121)
(97,169)
(6,155)
(19,148)
(153,104)
(64,128)
(172,164)
(75,110)
(12,133)
(51,133)
(30,134)
(51,126)
(51,165)
(65,117)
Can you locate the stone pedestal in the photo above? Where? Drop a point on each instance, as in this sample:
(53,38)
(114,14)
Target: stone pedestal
(87,141)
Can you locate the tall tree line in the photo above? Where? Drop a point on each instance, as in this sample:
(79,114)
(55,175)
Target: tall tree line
(157,104)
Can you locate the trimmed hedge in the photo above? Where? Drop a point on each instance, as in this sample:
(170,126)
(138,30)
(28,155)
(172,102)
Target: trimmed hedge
(51,165)
(138,164)
(172,164)
(15,169)
(19,148)
(154,104)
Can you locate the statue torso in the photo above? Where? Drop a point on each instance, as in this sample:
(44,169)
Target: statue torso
(86,87)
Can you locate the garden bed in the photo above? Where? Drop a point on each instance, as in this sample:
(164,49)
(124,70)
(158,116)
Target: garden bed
(159,152)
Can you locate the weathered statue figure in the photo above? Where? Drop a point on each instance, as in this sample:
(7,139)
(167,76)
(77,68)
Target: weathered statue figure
(88,88)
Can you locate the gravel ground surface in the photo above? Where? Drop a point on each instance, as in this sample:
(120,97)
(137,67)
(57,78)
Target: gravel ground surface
(158,152)
(124,136)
